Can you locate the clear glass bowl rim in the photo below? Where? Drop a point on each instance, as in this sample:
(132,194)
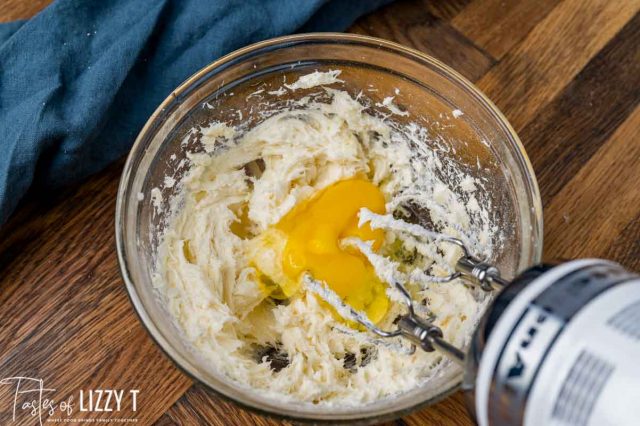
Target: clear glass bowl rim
(253,50)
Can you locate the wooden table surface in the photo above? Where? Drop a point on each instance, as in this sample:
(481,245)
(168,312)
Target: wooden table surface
(566,73)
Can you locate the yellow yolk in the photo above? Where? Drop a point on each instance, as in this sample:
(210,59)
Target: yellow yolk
(313,231)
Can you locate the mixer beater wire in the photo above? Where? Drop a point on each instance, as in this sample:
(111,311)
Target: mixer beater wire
(417,330)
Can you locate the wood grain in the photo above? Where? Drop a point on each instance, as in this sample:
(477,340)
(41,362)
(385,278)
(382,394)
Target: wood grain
(12,10)
(451,411)
(409,24)
(498,25)
(197,406)
(565,72)
(65,314)
(571,128)
(609,179)
(443,9)
(533,73)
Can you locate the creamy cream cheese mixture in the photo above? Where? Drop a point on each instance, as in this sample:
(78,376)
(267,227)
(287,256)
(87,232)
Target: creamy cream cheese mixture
(213,256)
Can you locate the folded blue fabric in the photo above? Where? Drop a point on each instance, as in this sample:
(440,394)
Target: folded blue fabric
(79,80)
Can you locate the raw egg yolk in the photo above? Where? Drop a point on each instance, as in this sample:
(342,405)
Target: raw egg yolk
(314,230)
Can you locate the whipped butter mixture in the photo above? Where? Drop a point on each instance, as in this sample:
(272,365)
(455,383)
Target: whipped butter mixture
(284,199)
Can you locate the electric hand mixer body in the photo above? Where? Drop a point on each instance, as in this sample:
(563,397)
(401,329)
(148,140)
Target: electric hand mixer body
(559,345)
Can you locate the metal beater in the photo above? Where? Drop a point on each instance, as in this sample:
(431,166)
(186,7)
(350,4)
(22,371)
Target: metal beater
(559,344)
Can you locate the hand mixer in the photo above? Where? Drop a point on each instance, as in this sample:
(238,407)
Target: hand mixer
(560,344)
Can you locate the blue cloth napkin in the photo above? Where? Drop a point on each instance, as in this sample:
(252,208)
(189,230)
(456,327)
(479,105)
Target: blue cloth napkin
(79,80)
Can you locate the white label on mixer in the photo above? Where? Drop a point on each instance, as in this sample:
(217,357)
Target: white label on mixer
(502,331)
(591,375)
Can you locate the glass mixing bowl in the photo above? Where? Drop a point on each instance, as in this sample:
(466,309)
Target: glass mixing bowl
(423,86)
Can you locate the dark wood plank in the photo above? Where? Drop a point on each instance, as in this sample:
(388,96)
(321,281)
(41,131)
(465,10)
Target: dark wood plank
(198,406)
(166,420)
(532,74)
(65,314)
(443,9)
(565,134)
(407,23)
(596,213)
(498,25)
(451,411)
(625,248)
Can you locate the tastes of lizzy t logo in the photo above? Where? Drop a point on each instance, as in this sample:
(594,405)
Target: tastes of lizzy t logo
(29,397)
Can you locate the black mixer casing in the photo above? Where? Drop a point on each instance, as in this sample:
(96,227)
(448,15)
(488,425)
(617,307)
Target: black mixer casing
(559,345)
